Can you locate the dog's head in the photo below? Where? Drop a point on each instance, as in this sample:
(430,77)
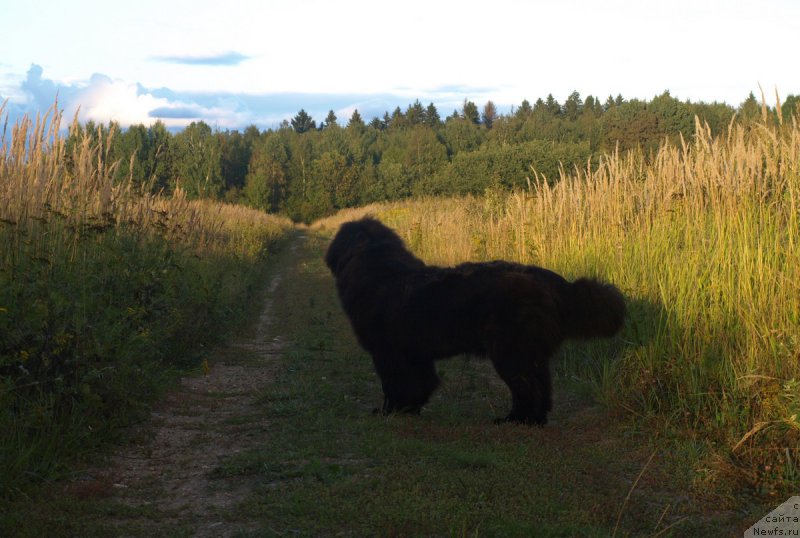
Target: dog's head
(357,236)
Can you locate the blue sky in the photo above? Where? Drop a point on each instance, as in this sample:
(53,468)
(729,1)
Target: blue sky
(236,63)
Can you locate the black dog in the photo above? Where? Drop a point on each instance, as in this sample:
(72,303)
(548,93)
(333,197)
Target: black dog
(407,315)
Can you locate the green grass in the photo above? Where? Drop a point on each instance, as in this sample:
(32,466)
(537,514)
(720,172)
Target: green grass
(321,463)
(704,240)
(329,465)
(104,293)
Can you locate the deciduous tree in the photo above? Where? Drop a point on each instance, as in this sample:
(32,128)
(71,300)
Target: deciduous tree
(196,161)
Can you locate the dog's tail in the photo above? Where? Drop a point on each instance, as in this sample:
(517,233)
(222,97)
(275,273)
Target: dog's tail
(592,309)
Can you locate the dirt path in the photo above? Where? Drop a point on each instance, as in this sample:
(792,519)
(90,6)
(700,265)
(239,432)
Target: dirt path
(166,478)
(278,439)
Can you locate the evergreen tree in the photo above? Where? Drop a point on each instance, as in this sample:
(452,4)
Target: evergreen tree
(303,123)
(552,106)
(251,135)
(790,107)
(489,114)
(377,124)
(470,112)
(524,109)
(398,119)
(356,123)
(750,110)
(673,117)
(330,119)
(573,106)
(593,106)
(432,118)
(415,114)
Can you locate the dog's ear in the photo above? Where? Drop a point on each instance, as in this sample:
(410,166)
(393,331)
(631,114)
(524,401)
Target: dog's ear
(350,239)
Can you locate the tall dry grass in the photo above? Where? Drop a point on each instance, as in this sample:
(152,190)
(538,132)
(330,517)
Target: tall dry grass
(103,289)
(74,193)
(704,241)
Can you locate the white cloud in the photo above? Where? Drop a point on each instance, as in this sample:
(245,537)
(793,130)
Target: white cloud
(104,99)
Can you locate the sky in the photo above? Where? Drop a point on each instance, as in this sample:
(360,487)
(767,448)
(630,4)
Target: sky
(234,63)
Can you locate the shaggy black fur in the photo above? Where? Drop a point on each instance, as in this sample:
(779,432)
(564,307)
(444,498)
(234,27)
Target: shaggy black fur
(407,315)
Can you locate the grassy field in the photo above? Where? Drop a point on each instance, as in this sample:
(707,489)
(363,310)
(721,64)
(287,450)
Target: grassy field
(104,291)
(704,240)
(329,466)
(312,459)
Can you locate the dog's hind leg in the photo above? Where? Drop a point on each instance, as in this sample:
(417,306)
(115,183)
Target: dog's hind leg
(528,378)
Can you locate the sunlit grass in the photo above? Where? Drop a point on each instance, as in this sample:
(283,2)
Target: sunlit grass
(703,239)
(104,288)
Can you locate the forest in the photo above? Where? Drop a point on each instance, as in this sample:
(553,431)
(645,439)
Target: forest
(307,169)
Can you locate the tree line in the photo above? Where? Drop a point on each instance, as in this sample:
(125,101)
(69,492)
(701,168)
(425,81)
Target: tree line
(307,170)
